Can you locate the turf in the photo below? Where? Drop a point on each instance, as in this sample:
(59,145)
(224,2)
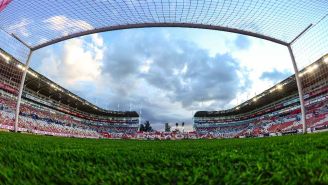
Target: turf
(30,159)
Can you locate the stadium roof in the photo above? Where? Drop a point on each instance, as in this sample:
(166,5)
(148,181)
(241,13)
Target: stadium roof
(43,86)
(281,90)
(39,23)
(40,85)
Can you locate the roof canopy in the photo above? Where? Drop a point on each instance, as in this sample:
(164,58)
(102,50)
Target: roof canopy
(39,23)
(56,96)
(287,89)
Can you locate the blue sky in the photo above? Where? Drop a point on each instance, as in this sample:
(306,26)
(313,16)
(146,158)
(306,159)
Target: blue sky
(167,73)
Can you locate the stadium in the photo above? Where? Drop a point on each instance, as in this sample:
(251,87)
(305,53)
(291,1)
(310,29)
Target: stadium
(51,135)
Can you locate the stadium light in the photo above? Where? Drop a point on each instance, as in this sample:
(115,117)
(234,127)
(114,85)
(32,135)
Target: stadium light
(57,88)
(5,57)
(272,90)
(53,86)
(325,59)
(279,86)
(254,99)
(312,68)
(315,66)
(33,74)
(238,108)
(21,67)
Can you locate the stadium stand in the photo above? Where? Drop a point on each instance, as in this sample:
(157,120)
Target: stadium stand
(47,108)
(275,111)
(50,109)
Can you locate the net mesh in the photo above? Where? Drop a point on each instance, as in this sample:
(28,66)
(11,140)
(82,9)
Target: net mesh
(38,22)
(13,47)
(10,78)
(310,47)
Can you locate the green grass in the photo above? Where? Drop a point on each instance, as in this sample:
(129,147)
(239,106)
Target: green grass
(30,159)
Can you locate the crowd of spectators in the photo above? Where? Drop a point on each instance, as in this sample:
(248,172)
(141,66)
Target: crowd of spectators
(282,119)
(43,120)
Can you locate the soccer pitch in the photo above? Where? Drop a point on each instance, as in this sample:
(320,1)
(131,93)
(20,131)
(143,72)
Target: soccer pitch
(31,159)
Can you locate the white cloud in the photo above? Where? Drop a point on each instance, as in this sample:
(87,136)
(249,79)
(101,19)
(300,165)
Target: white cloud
(80,64)
(77,61)
(97,40)
(66,25)
(20,28)
(145,67)
(262,56)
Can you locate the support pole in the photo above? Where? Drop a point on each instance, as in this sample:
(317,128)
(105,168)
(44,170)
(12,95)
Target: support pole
(139,118)
(299,88)
(25,69)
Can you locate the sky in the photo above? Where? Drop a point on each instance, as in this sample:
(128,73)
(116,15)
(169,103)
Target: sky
(167,74)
